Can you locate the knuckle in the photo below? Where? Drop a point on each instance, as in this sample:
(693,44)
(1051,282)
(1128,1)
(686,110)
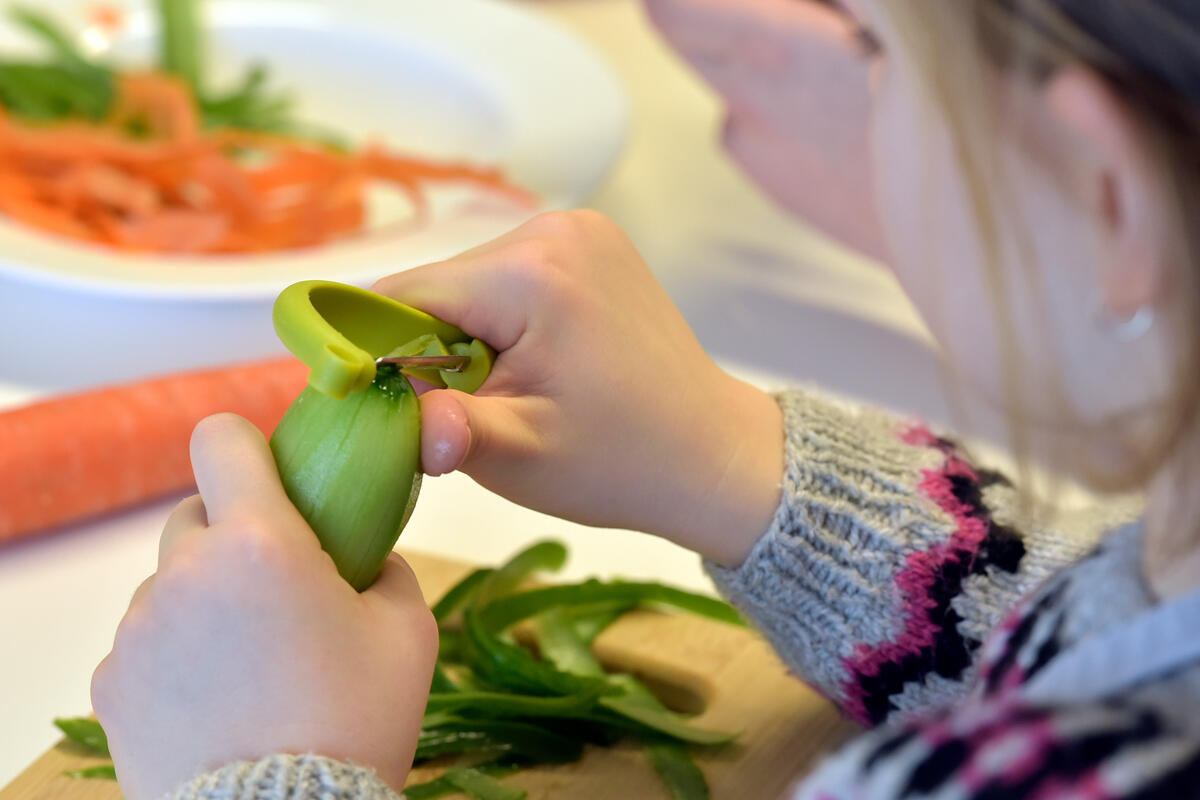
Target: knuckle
(423,628)
(590,220)
(557,224)
(572,226)
(246,546)
(533,263)
(131,630)
(532,256)
(197,561)
(253,543)
(556,246)
(101,687)
(180,565)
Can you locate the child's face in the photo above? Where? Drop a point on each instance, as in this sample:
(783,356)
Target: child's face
(1068,368)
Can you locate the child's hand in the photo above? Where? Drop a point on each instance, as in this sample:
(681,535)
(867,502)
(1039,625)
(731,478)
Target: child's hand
(602,406)
(247,642)
(794,75)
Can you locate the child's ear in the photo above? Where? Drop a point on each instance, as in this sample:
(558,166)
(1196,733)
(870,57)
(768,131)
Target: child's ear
(1124,187)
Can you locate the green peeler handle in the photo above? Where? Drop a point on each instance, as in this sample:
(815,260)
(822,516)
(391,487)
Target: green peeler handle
(339,330)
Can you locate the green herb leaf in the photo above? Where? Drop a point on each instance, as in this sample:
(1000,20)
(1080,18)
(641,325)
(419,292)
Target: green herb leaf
(505,611)
(250,106)
(547,556)
(514,668)
(634,704)
(442,684)
(559,644)
(638,704)
(501,705)
(588,622)
(450,646)
(84,731)
(47,30)
(677,770)
(48,92)
(101,772)
(521,740)
(460,593)
(181,41)
(440,787)
(481,786)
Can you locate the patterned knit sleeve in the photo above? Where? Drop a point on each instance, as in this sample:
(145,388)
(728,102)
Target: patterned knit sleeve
(1013,750)
(890,558)
(1071,703)
(287,777)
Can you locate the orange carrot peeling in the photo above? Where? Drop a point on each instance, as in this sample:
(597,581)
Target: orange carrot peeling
(150,179)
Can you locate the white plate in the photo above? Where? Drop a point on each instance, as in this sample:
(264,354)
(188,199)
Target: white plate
(476,80)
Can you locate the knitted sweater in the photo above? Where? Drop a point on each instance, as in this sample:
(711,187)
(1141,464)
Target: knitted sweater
(993,663)
(989,662)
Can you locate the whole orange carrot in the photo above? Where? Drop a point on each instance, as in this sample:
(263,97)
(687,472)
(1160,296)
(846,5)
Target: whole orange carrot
(72,457)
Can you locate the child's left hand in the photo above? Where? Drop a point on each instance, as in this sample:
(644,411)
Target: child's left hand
(247,642)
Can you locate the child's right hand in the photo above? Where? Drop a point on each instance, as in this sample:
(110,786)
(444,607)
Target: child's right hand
(602,408)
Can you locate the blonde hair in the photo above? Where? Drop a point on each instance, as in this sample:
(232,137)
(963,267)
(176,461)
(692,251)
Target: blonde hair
(1148,51)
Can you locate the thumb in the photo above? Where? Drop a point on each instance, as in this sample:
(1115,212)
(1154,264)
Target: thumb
(397,583)
(459,430)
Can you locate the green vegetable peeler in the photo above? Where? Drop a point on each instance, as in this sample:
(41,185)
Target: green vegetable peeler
(343,333)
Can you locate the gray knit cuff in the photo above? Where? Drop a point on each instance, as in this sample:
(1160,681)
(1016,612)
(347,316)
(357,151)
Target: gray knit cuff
(887,551)
(821,578)
(286,777)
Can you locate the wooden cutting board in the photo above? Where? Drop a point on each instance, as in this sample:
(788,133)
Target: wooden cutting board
(729,675)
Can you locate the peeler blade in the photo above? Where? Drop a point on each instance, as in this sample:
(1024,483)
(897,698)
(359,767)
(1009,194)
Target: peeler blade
(444,363)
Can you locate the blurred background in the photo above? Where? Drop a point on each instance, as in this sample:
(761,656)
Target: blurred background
(640,138)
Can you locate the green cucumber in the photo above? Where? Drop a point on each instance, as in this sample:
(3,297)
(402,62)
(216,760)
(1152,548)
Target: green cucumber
(352,469)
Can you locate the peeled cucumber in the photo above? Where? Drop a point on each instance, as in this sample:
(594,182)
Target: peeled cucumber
(352,468)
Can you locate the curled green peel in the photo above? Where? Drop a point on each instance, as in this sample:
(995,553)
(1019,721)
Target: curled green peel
(470,379)
(428,345)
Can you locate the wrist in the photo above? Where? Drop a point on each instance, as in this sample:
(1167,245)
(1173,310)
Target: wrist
(737,497)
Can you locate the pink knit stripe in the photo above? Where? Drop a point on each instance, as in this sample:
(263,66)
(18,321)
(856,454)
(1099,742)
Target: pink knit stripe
(918,436)
(915,582)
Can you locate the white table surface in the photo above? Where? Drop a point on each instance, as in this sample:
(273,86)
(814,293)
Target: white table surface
(770,299)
